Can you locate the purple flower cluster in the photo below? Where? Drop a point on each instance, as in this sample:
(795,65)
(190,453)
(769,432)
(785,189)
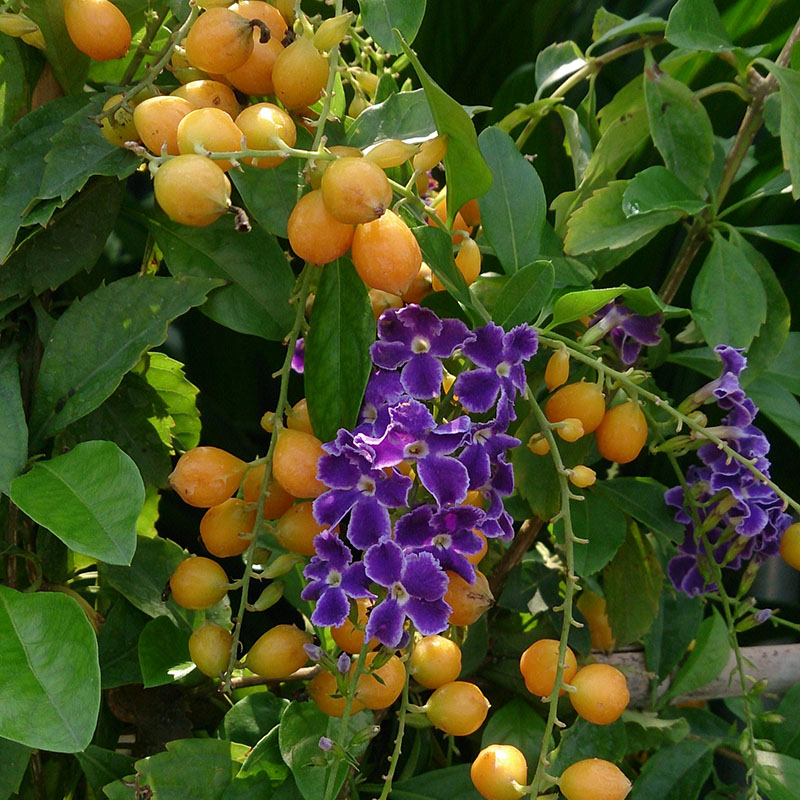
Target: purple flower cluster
(748,516)
(411,532)
(628,331)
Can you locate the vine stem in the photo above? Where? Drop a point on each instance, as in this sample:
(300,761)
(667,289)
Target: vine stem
(151,29)
(304,281)
(333,60)
(398,742)
(554,340)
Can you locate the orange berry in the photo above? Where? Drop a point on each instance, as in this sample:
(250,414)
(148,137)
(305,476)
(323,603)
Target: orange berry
(278,653)
(460,228)
(299,74)
(583,401)
(198,583)
(582,476)
(790,545)
(294,463)
(209,94)
(222,524)
(376,695)
(594,779)
(212,130)
(381,300)
(538,445)
(296,529)
(355,190)
(471,212)
(97,28)
(349,636)
(192,190)
(386,254)
(435,661)
(623,433)
(297,417)
(157,119)
(570,430)
(458,708)
(421,285)
(207,476)
(593,608)
(602,693)
(476,558)
(324,691)
(557,371)
(468,262)
(468,602)
(277,501)
(538,666)
(255,75)
(219,41)
(261,124)
(210,649)
(314,235)
(500,772)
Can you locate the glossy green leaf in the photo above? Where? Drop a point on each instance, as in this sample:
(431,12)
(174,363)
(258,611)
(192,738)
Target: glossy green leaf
(577,142)
(258,276)
(117,644)
(437,252)
(404,115)
(674,772)
(601,223)
(584,740)
(696,25)
(251,716)
(657,189)
(643,499)
(646,731)
(607,26)
(337,360)
(524,295)
(708,657)
(163,652)
(467,173)
(780,773)
(672,632)
(262,770)
(448,782)
(786,368)
(101,766)
(14,757)
(680,127)
(14,452)
(49,675)
(513,210)
(89,497)
(787,235)
(269,194)
(729,303)
(778,404)
(517,724)
(381,17)
(789,81)
(632,583)
(555,63)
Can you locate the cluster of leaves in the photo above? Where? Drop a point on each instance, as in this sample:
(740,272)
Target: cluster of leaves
(97,287)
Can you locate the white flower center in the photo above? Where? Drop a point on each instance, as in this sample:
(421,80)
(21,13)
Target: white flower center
(399,593)
(416,450)
(503,369)
(419,344)
(366,485)
(334,578)
(370,413)
(443,540)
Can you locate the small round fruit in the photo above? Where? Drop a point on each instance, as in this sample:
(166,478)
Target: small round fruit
(594,779)
(376,695)
(198,583)
(500,772)
(557,371)
(277,501)
(294,463)
(222,525)
(471,212)
(476,558)
(460,229)
(790,545)
(297,417)
(435,661)
(299,74)
(209,94)
(157,119)
(261,124)
(582,476)
(278,653)
(296,529)
(593,608)
(349,636)
(207,476)
(582,400)
(538,445)
(210,649)
(538,666)
(430,153)
(97,28)
(468,262)
(118,128)
(323,690)
(421,285)
(314,235)
(386,254)
(355,190)
(219,41)
(255,75)
(570,429)
(212,130)
(623,433)
(192,190)
(468,602)
(458,708)
(602,693)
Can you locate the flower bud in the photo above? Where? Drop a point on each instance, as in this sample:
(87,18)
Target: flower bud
(17,24)
(367,81)
(269,596)
(282,564)
(332,31)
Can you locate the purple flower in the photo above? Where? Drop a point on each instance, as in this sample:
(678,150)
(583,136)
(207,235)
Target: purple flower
(325,743)
(628,331)
(314,652)
(762,615)
(416,339)
(499,358)
(726,390)
(343,663)
(416,586)
(332,580)
(384,390)
(489,444)
(299,356)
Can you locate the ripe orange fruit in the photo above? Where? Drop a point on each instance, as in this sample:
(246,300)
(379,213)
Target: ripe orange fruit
(593,608)
(499,772)
(468,602)
(277,501)
(557,371)
(97,28)
(278,653)
(299,74)
(602,693)
(157,119)
(376,695)
(582,400)
(209,94)
(323,690)
(207,476)
(212,130)
(219,41)
(790,545)
(355,190)
(261,124)
(435,661)
(315,235)
(210,649)
(623,433)
(294,463)
(349,637)
(458,708)
(192,190)
(594,779)
(222,525)
(538,666)
(198,583)
(255,75)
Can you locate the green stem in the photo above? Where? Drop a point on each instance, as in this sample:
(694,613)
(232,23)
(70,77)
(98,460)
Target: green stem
(304,281)
(333,59)
(398,742)
(151,29)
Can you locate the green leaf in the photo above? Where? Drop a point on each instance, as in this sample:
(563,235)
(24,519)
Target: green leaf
(404,115)
(706,660)
(646,731)
(584,740)
(603,524)
(679,125)
(89,497)
(607,26)
(696,25)
(643,499)
(15,82)
(513,210)
(577,305)
(632,583)
(729,303)
(14,757)
(269,194)
(117,644)
(780,773)
(789,81)
(102,336)
(672,632)
(778,404)
(601,223)
(674,772)
(49,675)
(14,452)
(251,716)
(524,295)
(466,171)
(555,63)
(163,652)
(79,150)
(72,241)
(337,361)
(448,782)
(381,17)
(102,766)
(517,724)
(262,770)
(437,252)
(787,235)
(786,369)
(260,280)
(576,141)
(301,726)
(657,189)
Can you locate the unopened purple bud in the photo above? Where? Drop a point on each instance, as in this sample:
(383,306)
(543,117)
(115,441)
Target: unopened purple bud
(343,663)
(299,356)
(762,615)
(314,652)
(325,743)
